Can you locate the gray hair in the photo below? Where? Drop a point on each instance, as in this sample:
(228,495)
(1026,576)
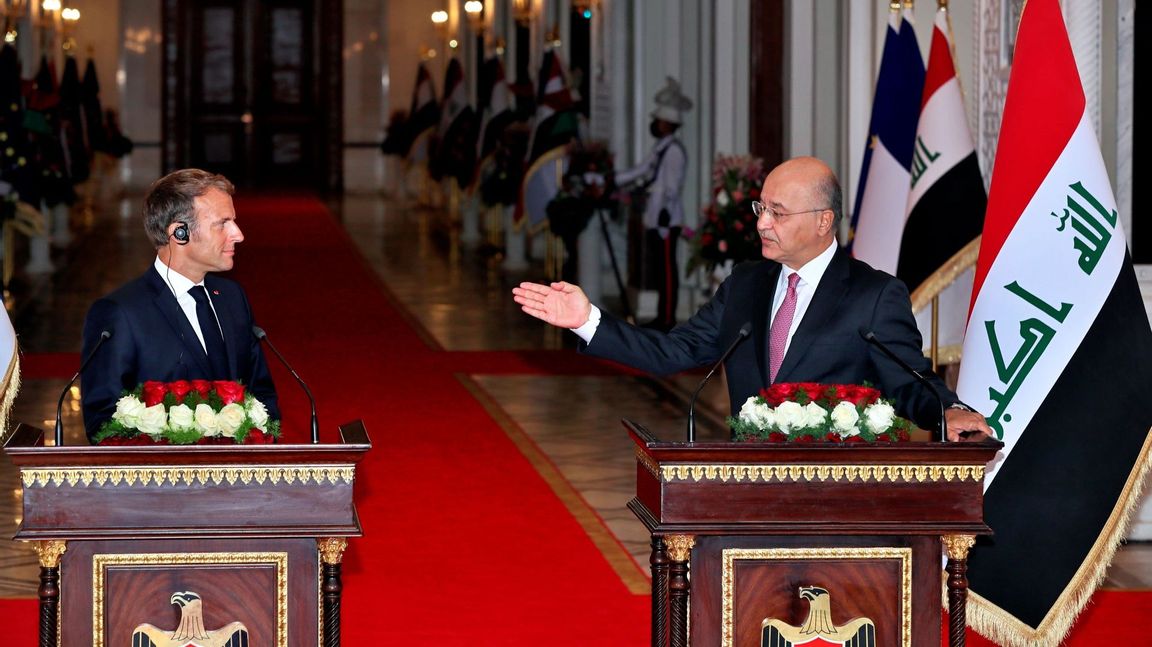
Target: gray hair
(828,188)
(171,199)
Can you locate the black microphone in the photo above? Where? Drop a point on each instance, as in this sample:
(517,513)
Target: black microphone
(104,335)
(262,336)
(741,335)
(870,337)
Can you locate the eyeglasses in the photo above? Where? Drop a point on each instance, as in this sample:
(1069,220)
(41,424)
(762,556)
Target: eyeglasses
(761,209)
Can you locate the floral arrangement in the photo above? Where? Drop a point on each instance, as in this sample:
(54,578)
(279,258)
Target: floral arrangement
(807,412)
(587,186)
(188,412)
(727,230)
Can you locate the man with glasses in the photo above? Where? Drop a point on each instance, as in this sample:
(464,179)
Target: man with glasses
(809,305)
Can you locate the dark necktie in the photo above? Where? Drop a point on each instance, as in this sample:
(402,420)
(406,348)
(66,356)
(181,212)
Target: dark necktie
(778,334)
(210,328)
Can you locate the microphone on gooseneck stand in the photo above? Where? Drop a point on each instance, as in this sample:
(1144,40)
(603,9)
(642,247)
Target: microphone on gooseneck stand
(741,335)
(870,337)
(104,335)
(262,336)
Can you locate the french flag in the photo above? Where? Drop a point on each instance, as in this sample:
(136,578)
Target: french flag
(885,175)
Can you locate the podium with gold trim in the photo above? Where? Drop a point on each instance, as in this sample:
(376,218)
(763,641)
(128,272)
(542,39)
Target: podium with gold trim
(781,544)
(211,545)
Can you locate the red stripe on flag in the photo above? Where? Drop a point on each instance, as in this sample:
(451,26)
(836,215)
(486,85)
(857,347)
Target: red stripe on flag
(1044,105)
(941,69)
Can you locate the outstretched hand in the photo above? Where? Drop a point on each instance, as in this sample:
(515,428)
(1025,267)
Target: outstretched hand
(560,304)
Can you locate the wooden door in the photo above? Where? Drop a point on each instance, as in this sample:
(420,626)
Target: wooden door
(254,90)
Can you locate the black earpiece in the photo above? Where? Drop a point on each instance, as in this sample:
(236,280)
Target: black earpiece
(180,233)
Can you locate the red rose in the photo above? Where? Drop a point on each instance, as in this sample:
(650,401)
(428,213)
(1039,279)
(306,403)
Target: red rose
(853,439)
(832,437)
(229,392)
(864,395)
(153,392)
(179,388)
(779,393)
(777,437)
(201,387)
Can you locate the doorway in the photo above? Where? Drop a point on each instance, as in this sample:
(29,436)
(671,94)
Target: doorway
(253,90)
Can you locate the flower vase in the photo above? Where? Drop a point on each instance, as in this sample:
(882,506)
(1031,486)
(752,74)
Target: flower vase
(720,272)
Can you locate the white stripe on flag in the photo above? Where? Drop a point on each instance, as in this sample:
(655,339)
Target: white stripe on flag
(1043,262)
(940,133)
(877,240)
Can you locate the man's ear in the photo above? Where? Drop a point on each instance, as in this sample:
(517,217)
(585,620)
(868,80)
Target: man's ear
(827,217)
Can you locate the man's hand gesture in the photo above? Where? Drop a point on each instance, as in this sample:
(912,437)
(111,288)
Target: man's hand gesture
(560,304)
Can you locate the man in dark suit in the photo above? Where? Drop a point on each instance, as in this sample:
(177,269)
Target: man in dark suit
(177,321)
(808,304)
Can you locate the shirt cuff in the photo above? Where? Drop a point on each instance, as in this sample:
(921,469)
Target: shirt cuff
(587,330)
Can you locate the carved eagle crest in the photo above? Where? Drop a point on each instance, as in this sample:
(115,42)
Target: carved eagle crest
(191,631)
(817,629)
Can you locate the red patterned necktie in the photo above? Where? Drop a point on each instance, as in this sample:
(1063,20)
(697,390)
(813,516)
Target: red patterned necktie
(778,335)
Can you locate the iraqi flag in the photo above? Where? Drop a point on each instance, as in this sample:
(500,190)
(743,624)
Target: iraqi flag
(423,116)
(496,107)
(1058,354)
(946,202)
(455,147)
(555,122)
(885,174)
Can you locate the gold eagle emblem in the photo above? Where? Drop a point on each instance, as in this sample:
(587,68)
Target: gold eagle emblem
(817,629)
(191,631)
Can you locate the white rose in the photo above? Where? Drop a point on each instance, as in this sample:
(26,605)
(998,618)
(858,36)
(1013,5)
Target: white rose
(844,417)
(879,417)
(789,416)
(258,413)
(814,415)
(206,420)
(722,199)
(128,410)
(230,419)
(180,417)
(153,419)
(757,413)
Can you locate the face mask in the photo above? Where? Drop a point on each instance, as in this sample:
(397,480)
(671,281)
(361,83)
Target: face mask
(654,128)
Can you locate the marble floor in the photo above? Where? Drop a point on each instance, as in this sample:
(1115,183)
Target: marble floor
(459,297)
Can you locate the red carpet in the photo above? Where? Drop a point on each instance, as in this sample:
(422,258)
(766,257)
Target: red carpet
(463,542)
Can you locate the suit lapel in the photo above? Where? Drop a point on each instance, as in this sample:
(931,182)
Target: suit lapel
(764,291)
(166,303)
(825,302)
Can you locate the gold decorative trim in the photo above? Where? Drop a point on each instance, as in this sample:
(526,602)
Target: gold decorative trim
(864,473)
(50,552)
(101,562)
(332,549)
(644,459)
(680,547)
(958,545)
(945,276)
(143,475)
(728,584)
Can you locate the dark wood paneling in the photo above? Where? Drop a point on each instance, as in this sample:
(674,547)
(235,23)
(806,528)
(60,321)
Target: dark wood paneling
(254,90)
(766,125)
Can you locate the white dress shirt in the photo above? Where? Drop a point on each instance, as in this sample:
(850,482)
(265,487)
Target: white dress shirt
(180,285)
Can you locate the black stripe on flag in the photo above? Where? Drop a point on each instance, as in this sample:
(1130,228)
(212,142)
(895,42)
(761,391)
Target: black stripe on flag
(947,217)
(1051,500)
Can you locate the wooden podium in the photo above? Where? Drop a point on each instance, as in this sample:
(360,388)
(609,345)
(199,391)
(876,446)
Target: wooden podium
(755,543)
(203,543)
